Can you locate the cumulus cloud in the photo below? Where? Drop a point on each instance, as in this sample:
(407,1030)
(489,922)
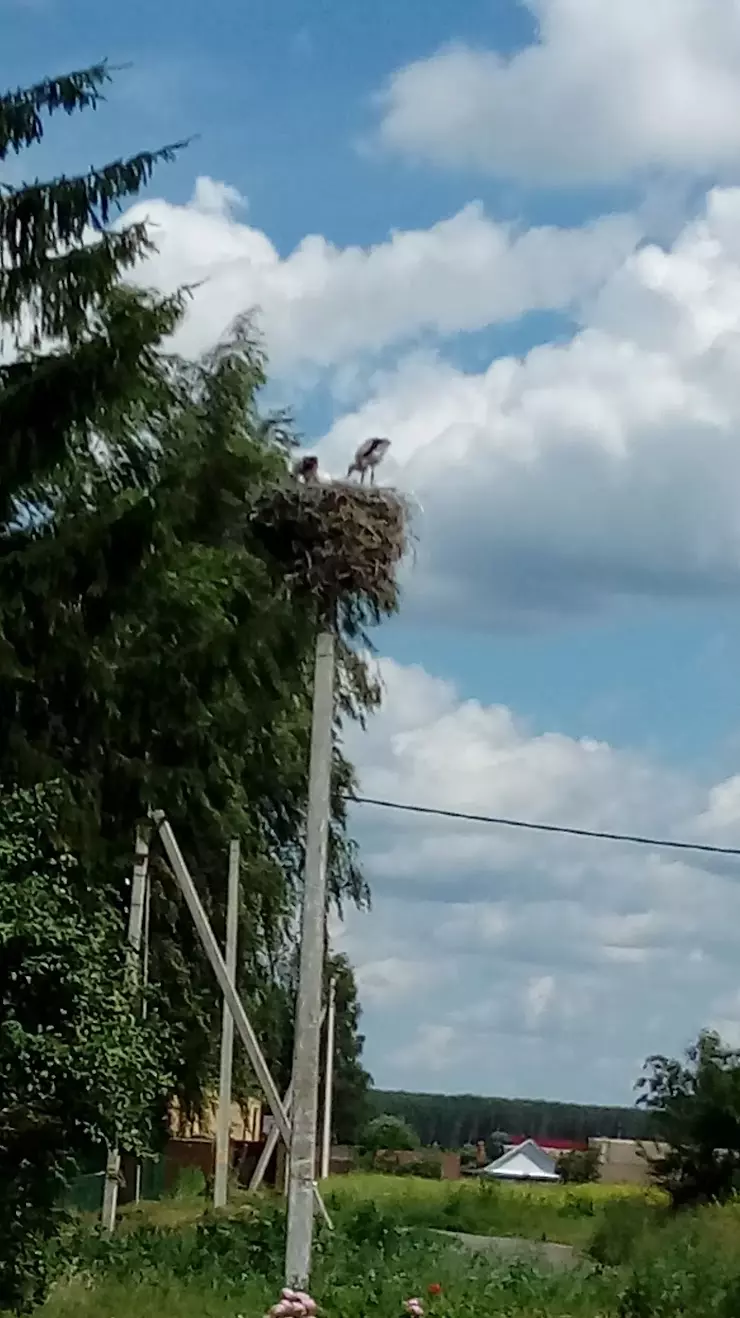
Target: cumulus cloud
(323,305)
(604,91)
(594,471)
(512,961)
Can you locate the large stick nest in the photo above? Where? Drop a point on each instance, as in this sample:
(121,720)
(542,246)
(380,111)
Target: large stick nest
(342,542)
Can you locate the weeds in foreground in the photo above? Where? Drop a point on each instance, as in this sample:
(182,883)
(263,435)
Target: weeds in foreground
(639,1262)
(563,1214)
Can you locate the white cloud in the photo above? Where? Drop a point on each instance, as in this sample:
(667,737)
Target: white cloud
(390,978)
(592,471)
(432,1051)
(512,961)
(539,994)
(322,305)
(605,90)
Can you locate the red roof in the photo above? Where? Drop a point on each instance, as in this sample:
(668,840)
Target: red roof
(549,1143)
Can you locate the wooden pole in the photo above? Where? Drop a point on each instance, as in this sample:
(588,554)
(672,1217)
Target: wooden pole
(328,1079)
(135,925)
(307,1031)
(223,1124)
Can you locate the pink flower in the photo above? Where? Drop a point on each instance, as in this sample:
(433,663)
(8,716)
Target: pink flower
(295,1304)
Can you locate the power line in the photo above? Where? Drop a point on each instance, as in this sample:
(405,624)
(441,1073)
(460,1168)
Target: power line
(503,822)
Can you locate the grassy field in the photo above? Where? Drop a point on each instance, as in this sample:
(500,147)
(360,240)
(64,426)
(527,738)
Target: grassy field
(172,1260)
(565,1214)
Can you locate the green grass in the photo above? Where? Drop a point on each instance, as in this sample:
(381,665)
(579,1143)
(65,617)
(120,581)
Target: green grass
(171,1260)
(564,1214)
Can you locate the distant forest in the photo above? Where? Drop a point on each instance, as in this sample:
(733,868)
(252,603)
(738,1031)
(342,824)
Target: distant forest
(453,1120)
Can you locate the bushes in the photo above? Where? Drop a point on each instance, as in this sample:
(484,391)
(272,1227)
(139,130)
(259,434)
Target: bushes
(695,1110)
(579,1166)
(426,1168)
(564,1214)
(220,1250)
(621,1225)
(389,1135)
(78,1067)
(216,1267)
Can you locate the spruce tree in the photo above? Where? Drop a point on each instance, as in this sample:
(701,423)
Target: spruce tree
(79,347)
(82,379)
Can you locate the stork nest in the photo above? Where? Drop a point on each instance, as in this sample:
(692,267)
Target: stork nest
(341,542)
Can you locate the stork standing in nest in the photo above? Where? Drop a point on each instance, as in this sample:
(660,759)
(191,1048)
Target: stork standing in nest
(307,469)
(367,458)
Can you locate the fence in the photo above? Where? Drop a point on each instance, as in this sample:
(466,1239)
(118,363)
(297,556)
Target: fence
(160,1174)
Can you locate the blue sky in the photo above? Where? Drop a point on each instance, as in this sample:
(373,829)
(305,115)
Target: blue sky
(550,341)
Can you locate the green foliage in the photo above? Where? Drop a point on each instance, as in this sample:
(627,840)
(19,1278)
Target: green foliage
(621,1224)
(56,285)
(389,1134)
(695,1110)
(427,1169)
(154,653)
(579,1166)
(218,1248)
(496,1144)
(179,677)
(453,1120)
(351,1080)
(189,1183)
(469,1155)
(675,1268)
(569,1214)
(77,1066)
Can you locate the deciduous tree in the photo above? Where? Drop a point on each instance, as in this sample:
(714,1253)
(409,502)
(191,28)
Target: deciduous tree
(78,1067)
(694,1106)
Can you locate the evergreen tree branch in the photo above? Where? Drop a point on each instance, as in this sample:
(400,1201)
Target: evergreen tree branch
(45,400)
(20,111)
(40,219)
(57,297)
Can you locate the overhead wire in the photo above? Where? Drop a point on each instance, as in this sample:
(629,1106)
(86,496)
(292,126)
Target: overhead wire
(636,839)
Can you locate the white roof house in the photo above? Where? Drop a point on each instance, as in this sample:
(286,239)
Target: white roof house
(524,1162)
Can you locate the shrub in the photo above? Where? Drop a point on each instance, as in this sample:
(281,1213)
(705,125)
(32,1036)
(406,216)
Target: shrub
(579,1166)
(389,1134)
(695,1107)
(78,1067)
(621,1226)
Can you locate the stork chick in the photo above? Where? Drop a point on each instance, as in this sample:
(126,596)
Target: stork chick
(367,457)
(306,469)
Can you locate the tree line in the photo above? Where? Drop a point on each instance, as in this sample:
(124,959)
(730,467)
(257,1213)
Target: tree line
(687,1107)
(455,1120)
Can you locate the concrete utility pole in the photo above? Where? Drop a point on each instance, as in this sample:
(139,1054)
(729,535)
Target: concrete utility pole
(135,926)
(308,1014)
(329,1079)
(144,985)
(223,1122)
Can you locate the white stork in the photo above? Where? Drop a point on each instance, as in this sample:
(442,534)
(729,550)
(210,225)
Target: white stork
(306,469)
(367,457)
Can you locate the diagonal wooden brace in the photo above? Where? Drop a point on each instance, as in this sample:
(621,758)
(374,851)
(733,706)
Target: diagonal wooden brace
(258,1175)
(233,1001)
